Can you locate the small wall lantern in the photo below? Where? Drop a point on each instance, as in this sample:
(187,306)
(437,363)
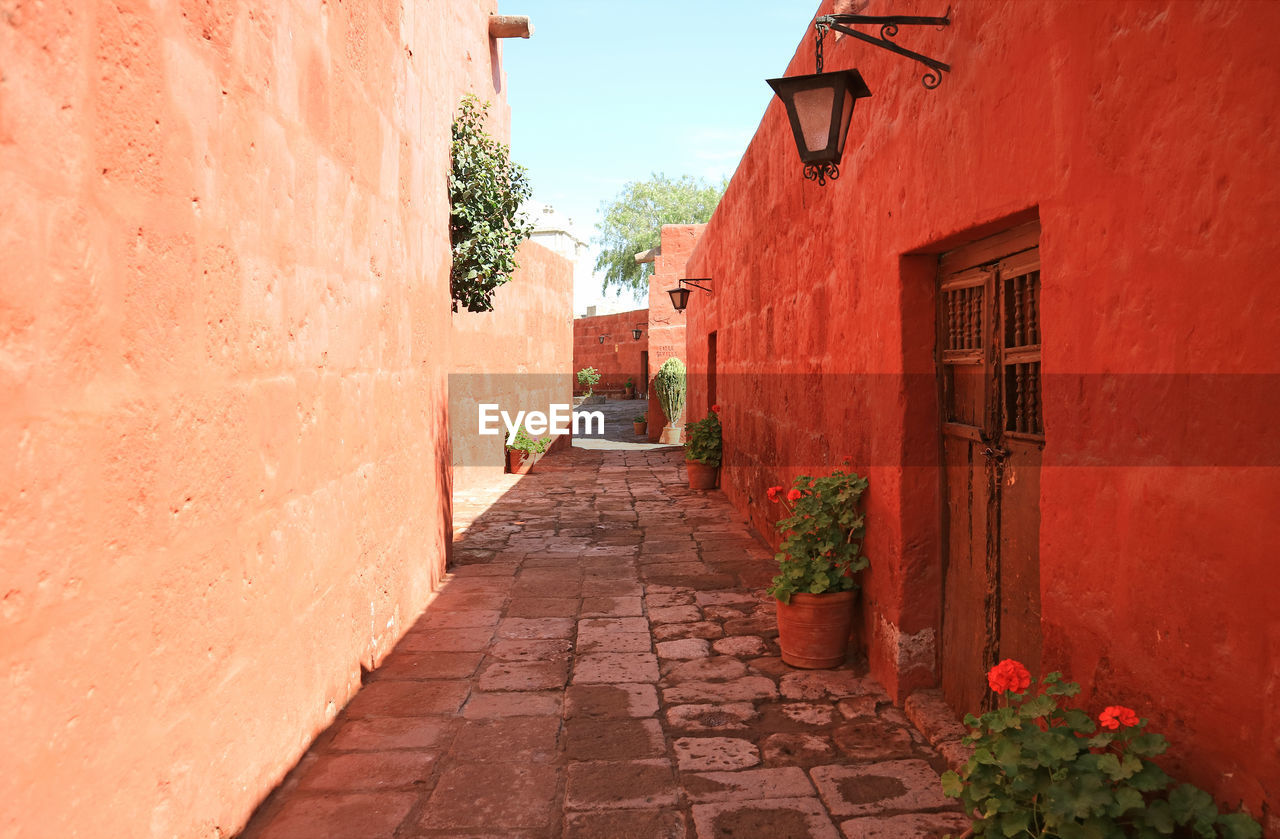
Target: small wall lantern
(820,105)
(680,294)
(602,337)
(635,333)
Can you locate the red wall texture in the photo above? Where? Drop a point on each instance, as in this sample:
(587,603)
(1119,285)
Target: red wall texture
(619,357)
(1143,137)
(666,325)
(518,357)
(224,339)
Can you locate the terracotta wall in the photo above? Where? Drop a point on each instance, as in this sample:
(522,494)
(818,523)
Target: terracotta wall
(1142,135)
(519,357)
(666,325)
(224,340)
(618,358)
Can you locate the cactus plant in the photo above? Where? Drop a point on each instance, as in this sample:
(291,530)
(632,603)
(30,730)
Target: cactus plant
(670,384)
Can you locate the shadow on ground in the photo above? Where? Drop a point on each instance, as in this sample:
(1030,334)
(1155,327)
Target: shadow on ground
(601,662)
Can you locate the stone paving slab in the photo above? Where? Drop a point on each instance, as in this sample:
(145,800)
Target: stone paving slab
(626,824)
(794,818)
(602,663)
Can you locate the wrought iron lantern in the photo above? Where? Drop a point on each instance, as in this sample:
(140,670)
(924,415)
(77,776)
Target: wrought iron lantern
(680,294)
(635,333)
(602,337)
(820,105)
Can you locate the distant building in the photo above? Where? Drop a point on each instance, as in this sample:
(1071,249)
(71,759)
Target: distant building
(554,230)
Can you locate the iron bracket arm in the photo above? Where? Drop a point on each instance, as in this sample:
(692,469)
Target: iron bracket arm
(888,30)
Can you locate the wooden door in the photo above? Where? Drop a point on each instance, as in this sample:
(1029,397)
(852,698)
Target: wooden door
(711,370)
(992,436)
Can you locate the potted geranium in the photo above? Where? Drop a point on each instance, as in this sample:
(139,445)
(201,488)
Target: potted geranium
(523,451)
(630,388)
(702,447)
(818,562)
(1040,769)
(639,422)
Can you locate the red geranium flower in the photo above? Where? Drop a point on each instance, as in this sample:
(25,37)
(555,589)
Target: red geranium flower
(848,460)
(715,408)
(793,495)
(1114,716)
(773,494)
(1009,675)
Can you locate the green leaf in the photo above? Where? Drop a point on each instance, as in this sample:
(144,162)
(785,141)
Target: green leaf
(1128,798)
(1160,816)
(1148,745)
(952,786)
(1037,707)
(1187,802)
(1117,769)
(1239,826)
(1011,824)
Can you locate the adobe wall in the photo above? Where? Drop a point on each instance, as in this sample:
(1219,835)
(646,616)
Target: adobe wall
(666,325)
(618,357)
(519,357)
(1142,135)
(224,339)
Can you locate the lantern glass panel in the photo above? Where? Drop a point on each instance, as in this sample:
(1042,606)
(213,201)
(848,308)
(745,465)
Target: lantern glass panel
(813,110)
(845,115)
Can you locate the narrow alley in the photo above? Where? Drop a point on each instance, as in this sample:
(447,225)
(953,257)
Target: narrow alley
(601,662)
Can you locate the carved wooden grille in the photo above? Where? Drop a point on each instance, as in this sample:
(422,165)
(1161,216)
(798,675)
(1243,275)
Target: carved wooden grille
(964,318)
(1022,387)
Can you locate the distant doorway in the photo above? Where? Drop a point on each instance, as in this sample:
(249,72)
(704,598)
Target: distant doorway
(644,374)
(711,370)
(989,342)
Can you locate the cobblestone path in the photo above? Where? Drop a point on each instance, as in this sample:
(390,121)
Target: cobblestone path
(602,663)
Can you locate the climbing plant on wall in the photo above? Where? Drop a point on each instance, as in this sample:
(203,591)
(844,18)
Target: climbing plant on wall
(486,189)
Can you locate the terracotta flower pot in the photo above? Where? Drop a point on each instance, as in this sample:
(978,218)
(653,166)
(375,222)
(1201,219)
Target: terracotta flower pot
(519,463)
(813,629)
(701,476)
(640,427)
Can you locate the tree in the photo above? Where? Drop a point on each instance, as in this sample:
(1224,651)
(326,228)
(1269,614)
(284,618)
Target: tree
(633,223)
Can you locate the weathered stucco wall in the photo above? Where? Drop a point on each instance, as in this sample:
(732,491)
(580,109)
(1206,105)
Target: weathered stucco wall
(519,357)
(666,325)
(224,340)
(1143,136)
(619,357)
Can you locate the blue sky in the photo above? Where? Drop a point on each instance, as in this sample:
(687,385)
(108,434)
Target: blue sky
(610,92)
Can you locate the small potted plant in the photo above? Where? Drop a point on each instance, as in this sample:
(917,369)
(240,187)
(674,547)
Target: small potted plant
(588,377)
(640,422)
(818,562)
(523,451)
(630,388)
(1040,769)
(670,384)
(702,449)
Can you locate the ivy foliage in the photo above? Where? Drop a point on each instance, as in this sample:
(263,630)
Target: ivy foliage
(1043,770)
(486,189)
